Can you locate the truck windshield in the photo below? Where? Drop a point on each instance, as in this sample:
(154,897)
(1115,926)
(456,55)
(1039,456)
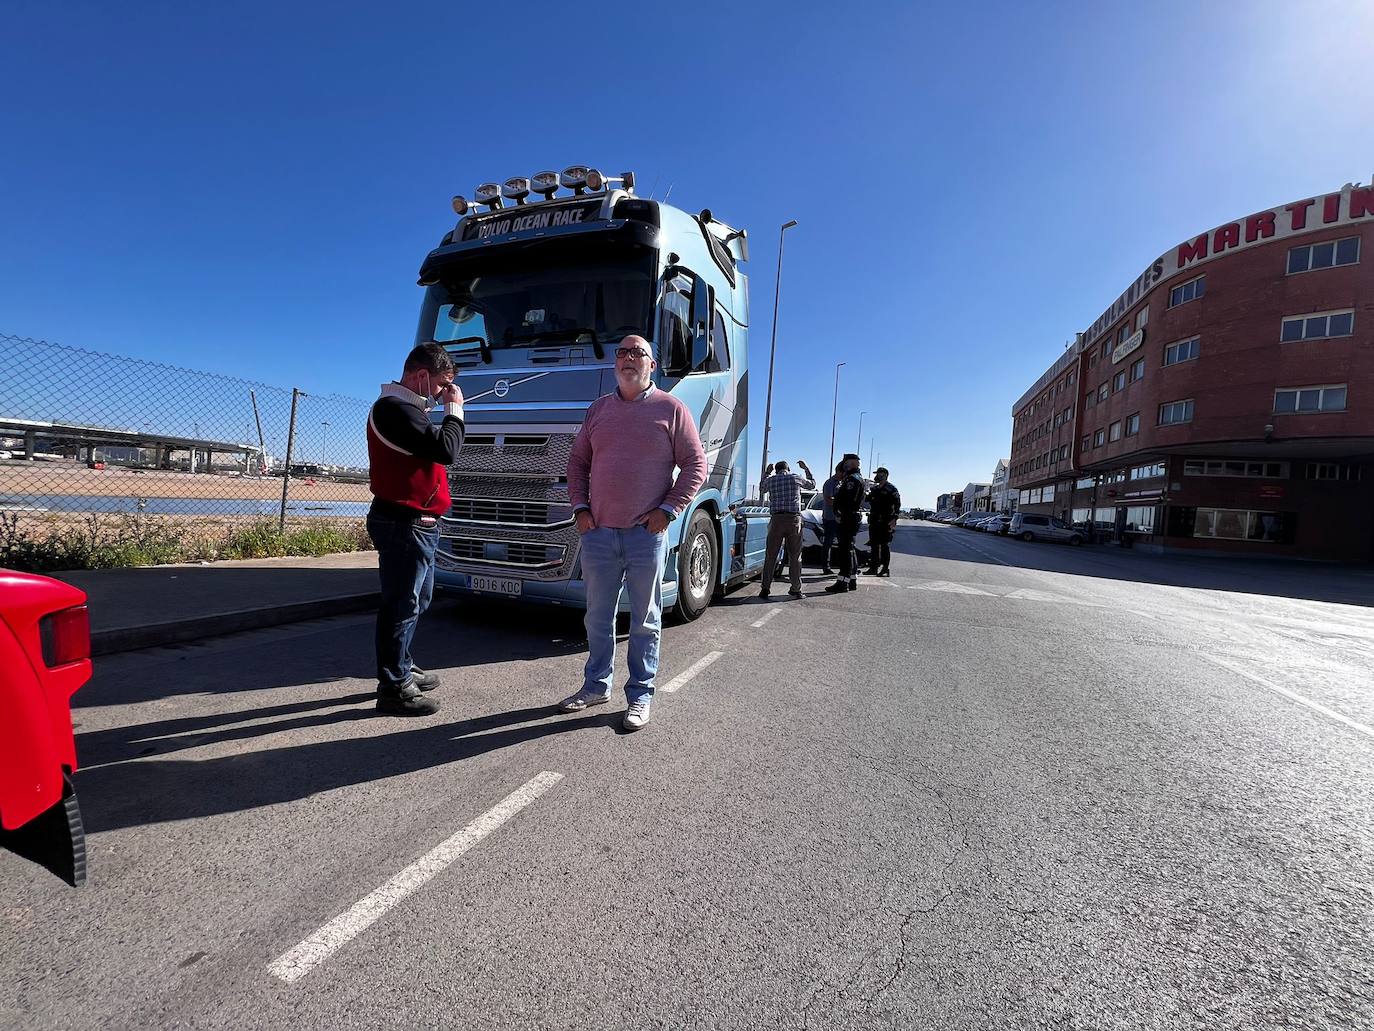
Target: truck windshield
(536,306)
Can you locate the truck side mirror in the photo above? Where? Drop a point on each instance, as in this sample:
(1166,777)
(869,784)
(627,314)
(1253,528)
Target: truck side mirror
(703,299)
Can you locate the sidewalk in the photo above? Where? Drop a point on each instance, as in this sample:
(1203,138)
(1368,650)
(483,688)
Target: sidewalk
(157,605)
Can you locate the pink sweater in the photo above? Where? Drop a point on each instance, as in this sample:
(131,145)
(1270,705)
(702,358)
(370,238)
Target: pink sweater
(622,461)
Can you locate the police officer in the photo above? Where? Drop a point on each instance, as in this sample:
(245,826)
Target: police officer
(848,504)
(884,502)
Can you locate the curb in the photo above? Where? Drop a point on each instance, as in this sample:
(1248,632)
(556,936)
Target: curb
(200,628)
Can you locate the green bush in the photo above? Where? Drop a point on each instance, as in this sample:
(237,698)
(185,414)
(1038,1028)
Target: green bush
(139,540)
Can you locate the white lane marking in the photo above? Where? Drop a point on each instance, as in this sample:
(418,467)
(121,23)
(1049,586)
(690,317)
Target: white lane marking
(294,964)
(1355,725)
(766,617)
(691,671)
(951,588)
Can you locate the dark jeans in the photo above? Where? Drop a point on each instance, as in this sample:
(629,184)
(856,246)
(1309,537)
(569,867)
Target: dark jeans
(832,530)
(849,558)
(879,544)
(405,560)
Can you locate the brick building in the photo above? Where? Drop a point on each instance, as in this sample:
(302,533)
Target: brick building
(1225,401)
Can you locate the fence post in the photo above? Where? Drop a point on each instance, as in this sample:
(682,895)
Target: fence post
(286,470)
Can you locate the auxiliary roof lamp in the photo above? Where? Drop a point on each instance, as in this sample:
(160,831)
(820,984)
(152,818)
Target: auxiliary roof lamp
(545,184)
(516,189)
(489,194)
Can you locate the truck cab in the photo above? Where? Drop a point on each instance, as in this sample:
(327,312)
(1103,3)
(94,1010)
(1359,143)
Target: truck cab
(531,298)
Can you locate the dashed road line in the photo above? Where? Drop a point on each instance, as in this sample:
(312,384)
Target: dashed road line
(294,964)
(691,671)
(766,617)
(1239,671)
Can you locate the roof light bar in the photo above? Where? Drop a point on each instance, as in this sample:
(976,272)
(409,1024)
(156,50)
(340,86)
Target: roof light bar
(516,188)
(460,206)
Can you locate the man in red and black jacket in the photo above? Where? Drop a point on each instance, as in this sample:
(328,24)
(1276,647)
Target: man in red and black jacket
(408,459)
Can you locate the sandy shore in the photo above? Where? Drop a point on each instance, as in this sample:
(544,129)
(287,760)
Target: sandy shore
(39,478)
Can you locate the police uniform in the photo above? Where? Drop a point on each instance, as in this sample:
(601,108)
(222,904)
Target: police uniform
(848,504)
(884,502)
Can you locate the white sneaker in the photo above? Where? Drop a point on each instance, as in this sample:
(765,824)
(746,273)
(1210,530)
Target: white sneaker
(637,714)
(580,701)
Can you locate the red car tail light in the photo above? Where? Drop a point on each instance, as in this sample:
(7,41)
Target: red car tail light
(66,636)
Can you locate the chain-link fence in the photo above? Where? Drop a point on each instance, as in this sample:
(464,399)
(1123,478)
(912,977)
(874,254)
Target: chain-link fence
(169,463)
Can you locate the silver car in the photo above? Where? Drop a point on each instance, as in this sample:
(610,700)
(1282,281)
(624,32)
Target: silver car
(1031,527)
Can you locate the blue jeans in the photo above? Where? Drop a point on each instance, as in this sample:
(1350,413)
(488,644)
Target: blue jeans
(405,560)
(832,530)
(611,560)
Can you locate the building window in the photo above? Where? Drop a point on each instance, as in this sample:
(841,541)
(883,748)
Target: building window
(1106,346)
(1254,470)
(1183,351)
(1332,471)
(1324,255)
(1073,377)
(1140,519)
(1087,442)
(1091,400)
(1240,525)
(1132,424)
(1047,494)
(1147,472)
(1063,452)
(1099,438)
(1102,391)
(1319,326)
(1085,483)
(1123,333)
(1142,317)
(1185,292)
(1114,431)
(1137,369)
(1175,412)
(1310,399)
(1119,381)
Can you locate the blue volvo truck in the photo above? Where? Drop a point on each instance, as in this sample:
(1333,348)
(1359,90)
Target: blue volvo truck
(531,292)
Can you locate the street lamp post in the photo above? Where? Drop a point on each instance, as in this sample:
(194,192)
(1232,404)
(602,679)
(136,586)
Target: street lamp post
(858,444)
(772,352)
(834,408)
(324,440)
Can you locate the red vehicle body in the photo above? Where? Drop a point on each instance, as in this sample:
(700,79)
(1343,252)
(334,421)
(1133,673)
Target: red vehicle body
(45,647)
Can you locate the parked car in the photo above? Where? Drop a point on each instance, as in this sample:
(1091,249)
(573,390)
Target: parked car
(813,532)
(969,518)
(45,648)
(1031,527)
(995,523)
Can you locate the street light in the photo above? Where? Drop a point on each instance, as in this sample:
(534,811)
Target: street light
(858,444)
(772,352)
(324,439)
(834,407)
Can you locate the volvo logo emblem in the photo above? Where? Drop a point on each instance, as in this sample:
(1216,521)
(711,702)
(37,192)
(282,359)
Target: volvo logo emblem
(502,388)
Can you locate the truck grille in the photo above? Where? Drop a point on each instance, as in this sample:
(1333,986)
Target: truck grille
(525,453)
(511,512)
(530,555)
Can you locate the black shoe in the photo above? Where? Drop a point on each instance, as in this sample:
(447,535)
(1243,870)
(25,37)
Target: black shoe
(838,587)
(884,572)
(796,594)
(764,593)
(424,681)
(853,585)
(406,702)
(827,571)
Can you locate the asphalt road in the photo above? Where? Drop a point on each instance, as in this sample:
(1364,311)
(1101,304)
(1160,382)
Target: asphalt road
(1015,786)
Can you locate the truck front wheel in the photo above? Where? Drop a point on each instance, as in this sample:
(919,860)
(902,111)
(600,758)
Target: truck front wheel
(698,564)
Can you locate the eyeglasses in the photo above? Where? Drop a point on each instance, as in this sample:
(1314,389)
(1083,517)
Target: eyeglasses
(631,352)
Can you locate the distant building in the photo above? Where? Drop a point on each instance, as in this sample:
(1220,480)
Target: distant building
(1226,399)
(977,497)
(1003,497)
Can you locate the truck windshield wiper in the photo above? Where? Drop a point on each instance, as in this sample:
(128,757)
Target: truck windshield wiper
(575,335)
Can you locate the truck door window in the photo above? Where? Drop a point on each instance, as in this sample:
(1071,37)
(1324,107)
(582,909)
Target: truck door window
(720,347)
(675,326)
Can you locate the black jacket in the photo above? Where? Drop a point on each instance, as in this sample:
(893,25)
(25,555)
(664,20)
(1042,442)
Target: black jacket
(849,499)
(884,502)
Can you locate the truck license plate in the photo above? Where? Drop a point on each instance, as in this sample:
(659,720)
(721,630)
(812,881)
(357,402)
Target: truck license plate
(497,585)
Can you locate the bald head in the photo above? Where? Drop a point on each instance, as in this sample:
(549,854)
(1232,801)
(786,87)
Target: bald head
(633,364)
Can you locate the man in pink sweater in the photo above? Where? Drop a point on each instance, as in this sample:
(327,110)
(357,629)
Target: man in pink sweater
(620,482)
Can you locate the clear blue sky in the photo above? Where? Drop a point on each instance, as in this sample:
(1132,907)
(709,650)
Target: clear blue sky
(249,188)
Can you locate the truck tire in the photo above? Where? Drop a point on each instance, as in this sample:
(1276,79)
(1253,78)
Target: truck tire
(698,566)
